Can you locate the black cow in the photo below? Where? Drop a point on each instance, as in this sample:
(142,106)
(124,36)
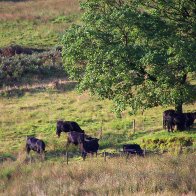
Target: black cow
(74,137)
(167,114)
(181,120)
(36,145)
(86,143)
(88,146)
(169,123)
(133,149)
(171,119)
(189,119)
(67,126)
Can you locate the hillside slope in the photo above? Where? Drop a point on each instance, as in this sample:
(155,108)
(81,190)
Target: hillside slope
(36,109)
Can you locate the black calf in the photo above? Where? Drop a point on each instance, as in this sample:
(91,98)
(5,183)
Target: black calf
(88,145)
(133,149)
(36,145)
(167,114)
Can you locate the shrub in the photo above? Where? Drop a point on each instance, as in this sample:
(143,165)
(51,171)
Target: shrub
(166,144)
(13,68)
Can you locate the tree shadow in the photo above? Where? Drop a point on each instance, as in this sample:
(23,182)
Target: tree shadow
(19,92)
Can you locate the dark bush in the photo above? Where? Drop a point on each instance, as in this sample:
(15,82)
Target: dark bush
(13,68)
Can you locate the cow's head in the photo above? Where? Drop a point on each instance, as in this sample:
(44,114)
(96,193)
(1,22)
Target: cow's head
(59,128)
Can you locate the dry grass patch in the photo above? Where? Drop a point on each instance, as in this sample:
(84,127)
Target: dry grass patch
(161,175)
(37,9)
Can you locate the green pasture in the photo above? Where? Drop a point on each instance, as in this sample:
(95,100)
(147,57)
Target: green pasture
(34,104)
(36,23)
(34,33)
(35,112)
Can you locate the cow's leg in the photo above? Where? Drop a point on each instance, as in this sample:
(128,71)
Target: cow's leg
(168,128)
(84,155)
(42,154)
(172,128)
(28,152)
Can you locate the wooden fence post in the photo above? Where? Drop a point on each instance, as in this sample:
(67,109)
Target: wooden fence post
(133,125)
(67,157)
(104,155)
(143,119)
(144,152)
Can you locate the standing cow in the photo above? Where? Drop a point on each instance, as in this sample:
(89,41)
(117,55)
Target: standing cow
(36,145)
(88,146)
(86,143)
(67,126)
(189,119)
(182,121)
(168,116)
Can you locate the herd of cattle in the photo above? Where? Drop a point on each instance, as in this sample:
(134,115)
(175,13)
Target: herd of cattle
(90,145)
(182,121)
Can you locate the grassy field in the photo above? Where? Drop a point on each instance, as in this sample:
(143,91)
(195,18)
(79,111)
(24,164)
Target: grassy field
(37,23)
(34,110)
(152,175)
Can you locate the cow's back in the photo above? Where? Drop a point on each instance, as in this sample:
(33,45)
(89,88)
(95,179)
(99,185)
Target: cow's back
(35,144)
(91,145)
(132,148)
(75,137)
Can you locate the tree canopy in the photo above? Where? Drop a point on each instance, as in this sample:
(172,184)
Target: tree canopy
(137,53)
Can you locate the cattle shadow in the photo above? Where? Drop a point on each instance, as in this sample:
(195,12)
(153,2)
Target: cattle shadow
(116,140)
(52,154)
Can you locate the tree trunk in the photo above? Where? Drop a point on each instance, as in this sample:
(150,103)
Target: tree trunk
(178,107)
(180,124)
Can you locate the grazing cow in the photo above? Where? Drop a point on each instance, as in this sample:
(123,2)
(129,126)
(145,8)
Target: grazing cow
(74,137)
(86,143)
(166,115)
(36,145)
(88,146)
(67,126)
(133,149)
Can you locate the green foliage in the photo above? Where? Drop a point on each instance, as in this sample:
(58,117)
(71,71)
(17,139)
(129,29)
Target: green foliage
(137,53)
(167,144)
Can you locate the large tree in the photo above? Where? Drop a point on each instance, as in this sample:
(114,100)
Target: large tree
(137,53)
